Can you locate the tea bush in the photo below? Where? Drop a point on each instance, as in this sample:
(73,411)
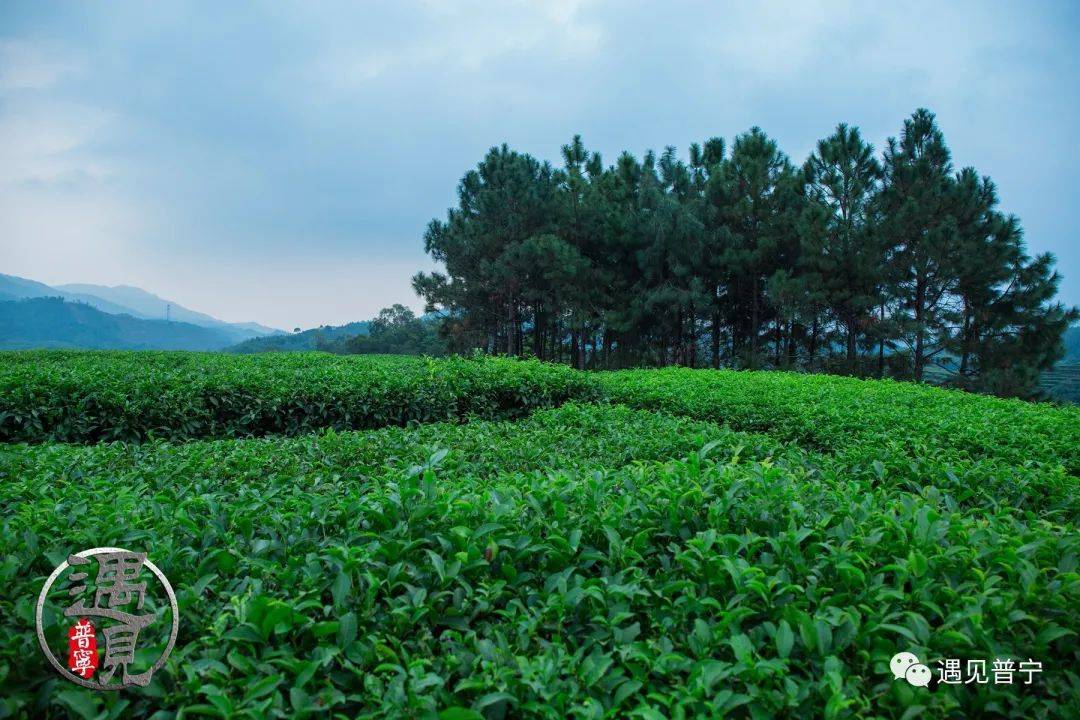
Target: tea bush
(589,561)
(75,396)
(734,544)
(833,413)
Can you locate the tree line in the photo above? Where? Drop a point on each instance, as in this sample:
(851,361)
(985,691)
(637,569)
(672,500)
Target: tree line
(394,331)
(852,262)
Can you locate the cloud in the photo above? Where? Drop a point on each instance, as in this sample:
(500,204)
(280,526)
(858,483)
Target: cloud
(45,135)
(27,66)
(48,143)
(193,142)
(61,214)
(58,236)
(465,39)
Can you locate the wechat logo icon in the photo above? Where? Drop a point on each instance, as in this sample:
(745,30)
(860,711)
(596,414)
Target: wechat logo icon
(906,665)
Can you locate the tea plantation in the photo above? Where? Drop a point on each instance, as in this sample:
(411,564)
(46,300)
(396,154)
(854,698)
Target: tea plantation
(483,538)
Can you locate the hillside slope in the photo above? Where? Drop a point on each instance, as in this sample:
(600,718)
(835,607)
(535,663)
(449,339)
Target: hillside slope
(1072,347)
(50,322)
(124,300)
(148,305)
(311,339)
(17,288)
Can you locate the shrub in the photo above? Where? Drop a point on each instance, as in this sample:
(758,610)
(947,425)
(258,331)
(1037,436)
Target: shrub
(99,396)
(744,544)
(534,569)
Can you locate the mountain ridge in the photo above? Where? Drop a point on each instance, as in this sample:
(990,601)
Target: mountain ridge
(150,305)
(132,301)
(56,322)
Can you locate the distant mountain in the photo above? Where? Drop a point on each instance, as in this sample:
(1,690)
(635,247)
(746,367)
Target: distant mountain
(132,301)
(1072,346)
(15,288)
(144,304)
(53,322)
(296,342)
(18,287)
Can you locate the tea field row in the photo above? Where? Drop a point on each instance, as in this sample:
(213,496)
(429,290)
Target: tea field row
(586,561)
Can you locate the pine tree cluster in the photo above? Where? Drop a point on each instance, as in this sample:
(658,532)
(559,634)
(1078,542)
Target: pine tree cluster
(853,263)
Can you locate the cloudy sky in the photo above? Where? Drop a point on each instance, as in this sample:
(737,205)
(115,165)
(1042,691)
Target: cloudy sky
(278,162)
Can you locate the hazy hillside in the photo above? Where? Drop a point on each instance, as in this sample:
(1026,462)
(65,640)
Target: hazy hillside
(1072,347)
(124,300)
(49,322)
(145,304)
(306,340)
(16,288)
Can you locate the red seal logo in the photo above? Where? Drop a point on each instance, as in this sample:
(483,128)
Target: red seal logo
(82,649)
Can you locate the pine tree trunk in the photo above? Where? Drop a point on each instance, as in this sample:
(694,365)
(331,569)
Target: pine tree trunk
(968,338)
(538,340)
(920,315)
(851,344)
(716,338)
(754,326)
(691,338)
(693,342)
(778,334)
(791,343)
(510,323)
(881,344)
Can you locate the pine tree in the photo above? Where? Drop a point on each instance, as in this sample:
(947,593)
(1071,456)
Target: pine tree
(748,199)
(707,163)
(1012,328)
(508,198)
(990,247)
(919,227)
(656,261)
(842,251)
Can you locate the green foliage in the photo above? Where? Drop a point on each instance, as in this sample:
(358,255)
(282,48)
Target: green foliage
(93,396)
(847,264)
(834,413)
(301,340)
(698,544)
(588,561)
(842,258)
(396,331)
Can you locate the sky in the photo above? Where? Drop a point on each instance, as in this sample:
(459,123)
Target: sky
(278,162)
